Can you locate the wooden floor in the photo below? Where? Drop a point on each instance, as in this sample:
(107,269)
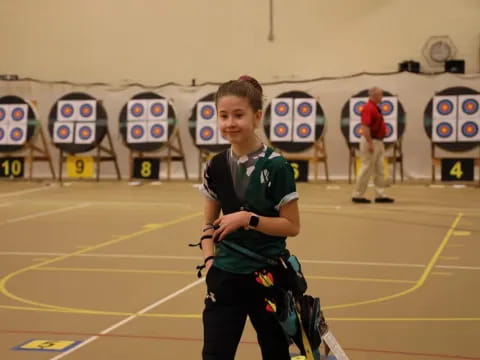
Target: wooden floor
(108,264)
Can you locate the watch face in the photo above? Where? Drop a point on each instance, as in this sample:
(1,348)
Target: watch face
(254,219)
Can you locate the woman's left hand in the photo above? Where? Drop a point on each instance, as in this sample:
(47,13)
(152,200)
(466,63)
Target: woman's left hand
(228,223)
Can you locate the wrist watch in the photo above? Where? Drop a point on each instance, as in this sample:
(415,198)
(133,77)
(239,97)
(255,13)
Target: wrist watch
(253,222)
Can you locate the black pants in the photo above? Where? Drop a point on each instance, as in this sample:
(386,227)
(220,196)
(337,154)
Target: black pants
(230,299)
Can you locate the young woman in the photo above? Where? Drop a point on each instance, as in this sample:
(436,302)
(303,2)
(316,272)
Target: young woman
(254,188)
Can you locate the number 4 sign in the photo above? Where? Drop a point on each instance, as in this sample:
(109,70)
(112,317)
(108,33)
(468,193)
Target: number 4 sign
(457,169)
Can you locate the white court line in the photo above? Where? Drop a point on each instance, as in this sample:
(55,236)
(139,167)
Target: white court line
(173,257)
(28,191)
(44,213)
(126,256)
(338,262)
(130,318)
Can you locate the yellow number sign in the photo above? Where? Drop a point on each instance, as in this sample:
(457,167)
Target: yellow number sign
(456,170)
(48,345)
(80,166)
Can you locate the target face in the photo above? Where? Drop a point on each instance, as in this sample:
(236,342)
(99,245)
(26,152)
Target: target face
(304,109)
(386,107)
(157,109)
(2,134)
(206,133)
(207,112)
(281,108)
(157,131)
(445,107)
(63,132)
(469,129)
(18,114)
(16,133)
(67,111)
(281,130)
(358,107)
(85,132)
(444,130)
(137,131)
(2,113)
(470,106)
(358,130)
(389,128)
(137,110)
(86,110)
(304,130)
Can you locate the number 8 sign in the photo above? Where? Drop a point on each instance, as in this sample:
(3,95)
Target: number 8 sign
(146,168)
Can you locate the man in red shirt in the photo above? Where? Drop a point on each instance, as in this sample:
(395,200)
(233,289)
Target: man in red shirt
(372,150)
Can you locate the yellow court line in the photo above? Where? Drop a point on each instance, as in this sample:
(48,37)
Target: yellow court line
(131,271)
(177,272)
(419,283)
(5,279)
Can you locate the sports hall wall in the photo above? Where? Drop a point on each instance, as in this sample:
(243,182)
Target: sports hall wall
(153,42)
(126,44)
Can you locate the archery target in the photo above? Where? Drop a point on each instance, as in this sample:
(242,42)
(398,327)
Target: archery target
(304,132)
(63,132)
(137,132)
(280,132)
(157,131)
(3,134)
(87,110)
(206,111)
(282,109)
(444,131)
(304,120)
(84,133)
(17,134)
(157,109)
(468,130)
(206,134)
(18,113)
(357,104)
(67,110)
(4,110)
(445,107)
(137,110)
(355,131)
(282,119)
(388,108)
(391,131)
(469,107)
(305,109)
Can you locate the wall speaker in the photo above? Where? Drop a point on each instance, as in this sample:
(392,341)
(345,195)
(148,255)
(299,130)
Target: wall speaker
(455,66)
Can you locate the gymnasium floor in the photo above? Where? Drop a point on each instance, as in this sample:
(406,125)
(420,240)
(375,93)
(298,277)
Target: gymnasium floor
(108,264)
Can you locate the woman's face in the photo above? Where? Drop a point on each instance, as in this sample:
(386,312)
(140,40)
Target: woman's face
(236,118)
